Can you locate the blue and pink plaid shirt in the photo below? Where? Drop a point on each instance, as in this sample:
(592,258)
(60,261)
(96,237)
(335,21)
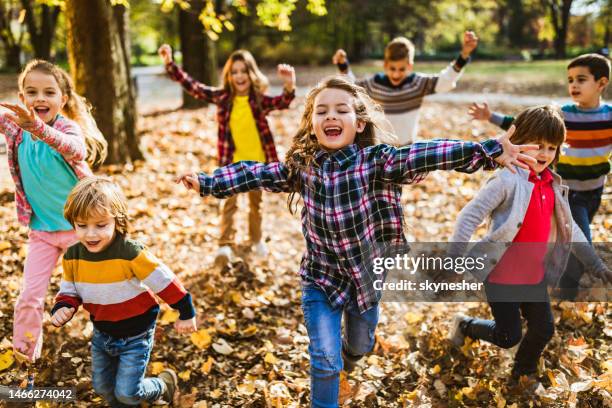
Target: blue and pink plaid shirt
(352,203)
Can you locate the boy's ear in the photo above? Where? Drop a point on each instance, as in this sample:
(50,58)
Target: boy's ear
(603,82)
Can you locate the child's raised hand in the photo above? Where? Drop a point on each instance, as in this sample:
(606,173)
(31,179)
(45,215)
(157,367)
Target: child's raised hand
(512,154)
(185,326)
(470,42)
(24,118)
(62,315)
(165,52)
(287,75)
(339,57)
(479,112)
(190,181)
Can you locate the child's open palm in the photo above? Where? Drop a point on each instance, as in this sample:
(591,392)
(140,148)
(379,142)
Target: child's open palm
(339,57)
(480,112)
(470,42)
(513,154)
(22,117)
(165,52)
(287,74)
(62,315)
(185,326)
(190,181)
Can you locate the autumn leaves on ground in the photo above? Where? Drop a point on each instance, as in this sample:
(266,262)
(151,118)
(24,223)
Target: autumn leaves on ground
(251,349)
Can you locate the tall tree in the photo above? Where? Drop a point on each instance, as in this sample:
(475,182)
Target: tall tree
(11,40)
(42,32)
(98,52)
(559,16)
(199,51)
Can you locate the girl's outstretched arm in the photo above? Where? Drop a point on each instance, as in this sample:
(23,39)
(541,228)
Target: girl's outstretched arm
(8,128)
(194,88)
(65,136)
(239,177)
(410,164)
(282,101)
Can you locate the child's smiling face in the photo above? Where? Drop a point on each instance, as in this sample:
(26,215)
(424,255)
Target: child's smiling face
(96,233)
(583,88)
(334,120)
(240,79)
(397,71)
(42,92)
(544,155)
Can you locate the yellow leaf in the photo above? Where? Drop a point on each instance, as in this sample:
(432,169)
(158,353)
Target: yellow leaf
(6,360)
(551,377)
(249,331)
(270,359)
(207,366)
(216,393)
(169,316)
(606,365)
(185,375)
(413,318)
(157,367)
(201,339)
(436,369)
(246,388)
(4,245)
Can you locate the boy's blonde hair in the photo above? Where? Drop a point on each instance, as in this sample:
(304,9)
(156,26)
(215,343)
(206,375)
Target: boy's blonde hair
(304,146)
(398,49)
(77,108)
(97,196)
(259,82)
(539,124)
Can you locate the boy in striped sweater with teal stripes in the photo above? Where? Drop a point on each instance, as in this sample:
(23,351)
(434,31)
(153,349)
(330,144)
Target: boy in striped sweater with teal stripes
(116,280)
(585,159)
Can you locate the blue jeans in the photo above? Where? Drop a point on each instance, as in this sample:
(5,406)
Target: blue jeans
(584,205)
(328,351)
(506,329)
(118,366)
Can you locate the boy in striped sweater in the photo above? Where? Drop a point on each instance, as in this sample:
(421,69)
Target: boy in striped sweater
(399,90)
(116,280)
(585,159)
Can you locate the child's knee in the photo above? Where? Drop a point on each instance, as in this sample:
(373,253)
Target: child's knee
(509,339)
(359,347)
(325,363)
(102,387)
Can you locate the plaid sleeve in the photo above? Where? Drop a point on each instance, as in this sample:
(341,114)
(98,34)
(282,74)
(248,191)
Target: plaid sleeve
(245,176)
(410,164)
(282,101)
(194,88)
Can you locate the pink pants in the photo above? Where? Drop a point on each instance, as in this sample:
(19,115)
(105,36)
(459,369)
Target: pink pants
(44,250)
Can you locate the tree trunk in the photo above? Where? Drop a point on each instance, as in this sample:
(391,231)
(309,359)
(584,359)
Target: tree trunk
(560,13)
(13,57)
(41,35)
(199,56)
(99,59)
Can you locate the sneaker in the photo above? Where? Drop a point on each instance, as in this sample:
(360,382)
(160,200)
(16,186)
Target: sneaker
(456,334)
(170,381)
(224,255)
(261,249)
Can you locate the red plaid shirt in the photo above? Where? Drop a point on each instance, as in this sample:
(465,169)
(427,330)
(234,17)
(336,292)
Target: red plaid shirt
(223,100)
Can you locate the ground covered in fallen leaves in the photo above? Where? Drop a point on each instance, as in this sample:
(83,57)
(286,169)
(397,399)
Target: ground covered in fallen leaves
(251,349)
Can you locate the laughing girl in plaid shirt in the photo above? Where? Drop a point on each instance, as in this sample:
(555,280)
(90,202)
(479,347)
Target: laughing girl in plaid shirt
(350,187)
(244,133)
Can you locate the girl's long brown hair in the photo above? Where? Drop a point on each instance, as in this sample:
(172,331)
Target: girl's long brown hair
(300,156)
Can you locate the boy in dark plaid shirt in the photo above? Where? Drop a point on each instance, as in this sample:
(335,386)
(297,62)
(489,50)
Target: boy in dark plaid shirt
(351,189)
